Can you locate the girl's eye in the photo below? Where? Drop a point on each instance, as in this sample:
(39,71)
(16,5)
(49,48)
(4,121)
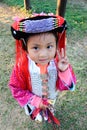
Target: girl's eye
(35,48)
(49,47)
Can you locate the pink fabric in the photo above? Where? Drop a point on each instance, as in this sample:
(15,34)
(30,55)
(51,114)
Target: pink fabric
(21,95)
(72,74)
(65,76)
(36,101)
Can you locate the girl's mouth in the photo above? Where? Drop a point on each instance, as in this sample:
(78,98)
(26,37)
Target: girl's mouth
(43,60)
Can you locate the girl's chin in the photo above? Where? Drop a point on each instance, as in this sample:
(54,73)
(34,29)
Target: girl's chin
(42,63)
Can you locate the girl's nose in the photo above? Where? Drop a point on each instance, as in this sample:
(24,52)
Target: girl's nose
(43,53)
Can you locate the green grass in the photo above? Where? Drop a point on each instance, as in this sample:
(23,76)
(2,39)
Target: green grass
(37,5)
(15,3)
(76,18)
(71,106)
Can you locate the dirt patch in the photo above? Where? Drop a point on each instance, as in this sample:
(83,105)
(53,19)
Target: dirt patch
(7,14)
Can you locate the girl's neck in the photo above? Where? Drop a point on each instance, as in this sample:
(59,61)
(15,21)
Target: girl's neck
(43,68)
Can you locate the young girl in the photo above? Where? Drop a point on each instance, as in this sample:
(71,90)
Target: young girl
(42,67)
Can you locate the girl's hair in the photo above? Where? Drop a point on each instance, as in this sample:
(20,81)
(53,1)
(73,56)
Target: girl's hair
(25,40)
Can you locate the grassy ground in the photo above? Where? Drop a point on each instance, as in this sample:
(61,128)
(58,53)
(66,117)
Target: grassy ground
(71,106)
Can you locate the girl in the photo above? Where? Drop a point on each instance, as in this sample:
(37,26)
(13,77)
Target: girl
(42,67)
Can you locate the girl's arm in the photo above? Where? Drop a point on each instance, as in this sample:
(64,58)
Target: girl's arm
(66,76)
(66,79)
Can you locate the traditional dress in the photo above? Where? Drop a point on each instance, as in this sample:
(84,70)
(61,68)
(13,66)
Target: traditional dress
(32,83)
(43,83)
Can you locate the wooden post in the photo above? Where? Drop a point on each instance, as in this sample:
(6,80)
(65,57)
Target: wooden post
(61,7)
(27,4)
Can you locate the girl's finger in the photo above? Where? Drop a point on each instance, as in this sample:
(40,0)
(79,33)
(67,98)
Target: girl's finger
(58,54)
(62,53)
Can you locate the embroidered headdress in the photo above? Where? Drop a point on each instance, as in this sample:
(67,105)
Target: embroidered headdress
(39,23)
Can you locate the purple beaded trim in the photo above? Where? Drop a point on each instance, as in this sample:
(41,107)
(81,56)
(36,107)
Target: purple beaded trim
(38,26)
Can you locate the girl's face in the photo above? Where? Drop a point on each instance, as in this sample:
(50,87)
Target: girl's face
(42,48)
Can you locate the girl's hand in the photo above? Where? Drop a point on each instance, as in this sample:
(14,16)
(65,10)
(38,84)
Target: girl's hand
(63,61)
(42,106)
